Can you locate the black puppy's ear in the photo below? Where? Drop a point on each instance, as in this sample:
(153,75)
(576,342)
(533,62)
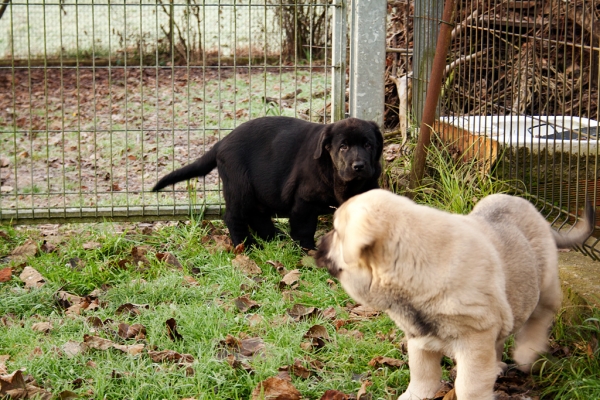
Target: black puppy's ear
(324,140)
(379,139)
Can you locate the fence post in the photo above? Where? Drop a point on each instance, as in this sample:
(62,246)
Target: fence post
(367,59)
(338,60)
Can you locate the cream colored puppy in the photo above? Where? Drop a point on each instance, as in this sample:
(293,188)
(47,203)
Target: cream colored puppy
(457,285)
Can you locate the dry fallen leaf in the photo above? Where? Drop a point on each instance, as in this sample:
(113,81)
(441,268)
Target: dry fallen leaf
(244,303)
(300,312)
(172,330)
(334,395)
(318,337)
(21,253)
(67,395)
(329,313)
(284,373)
(275,389)
(170,259)
(32,278)
(233,361)
(390,362)
(14,386)
(239,249)
(48,247)
(300,370)
(3,359)
(72,348)
(139,255)
(223,243)
(279,267)
(247,347)
(362,392)
(332,284)
(190,281)
(66,299)
(170,356)
(131,309)
(91,245)
(363,311)
(317,331)
(96,342)
(36,352)
(5,274)
(43,327)
(251,346)
(451,395)
(255,319)
(131,349)
(135,331)
(356,334)
(290,279)
(244,263)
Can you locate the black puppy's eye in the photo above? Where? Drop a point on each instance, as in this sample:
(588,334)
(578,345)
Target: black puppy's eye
(343,146)
(368,145)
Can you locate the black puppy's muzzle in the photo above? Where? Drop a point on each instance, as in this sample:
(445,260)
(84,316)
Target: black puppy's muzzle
(358,165)
(322,256)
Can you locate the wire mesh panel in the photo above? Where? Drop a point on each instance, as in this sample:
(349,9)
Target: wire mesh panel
(520,95)
(101,98)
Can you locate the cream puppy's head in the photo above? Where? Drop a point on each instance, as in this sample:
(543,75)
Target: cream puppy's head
(354,246)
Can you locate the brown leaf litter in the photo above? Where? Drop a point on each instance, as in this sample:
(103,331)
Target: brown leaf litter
(21,253)
(245,304)
(246,265)
(172,331)
(32,278)
(17,386)
(275,389)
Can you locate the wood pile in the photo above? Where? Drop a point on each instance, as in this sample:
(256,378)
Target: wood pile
(530,57)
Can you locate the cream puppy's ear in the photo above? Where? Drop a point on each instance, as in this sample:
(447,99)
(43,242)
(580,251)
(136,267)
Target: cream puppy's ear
(357,231)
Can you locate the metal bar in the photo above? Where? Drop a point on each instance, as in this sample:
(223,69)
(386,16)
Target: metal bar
(338,60)
(101,214)
(433,92)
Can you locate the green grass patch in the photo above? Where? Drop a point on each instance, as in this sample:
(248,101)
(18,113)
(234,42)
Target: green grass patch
(117,265)
(200,296)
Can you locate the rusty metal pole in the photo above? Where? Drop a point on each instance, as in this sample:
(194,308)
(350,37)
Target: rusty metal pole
(433,94)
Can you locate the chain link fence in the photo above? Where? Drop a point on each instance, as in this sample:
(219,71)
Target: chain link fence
(520,95)
(101,98)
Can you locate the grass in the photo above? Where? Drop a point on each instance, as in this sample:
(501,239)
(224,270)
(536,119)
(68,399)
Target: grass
(201,295)
(575,372)
(205,315)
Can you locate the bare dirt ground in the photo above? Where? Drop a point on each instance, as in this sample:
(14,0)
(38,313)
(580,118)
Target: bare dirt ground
(83,137)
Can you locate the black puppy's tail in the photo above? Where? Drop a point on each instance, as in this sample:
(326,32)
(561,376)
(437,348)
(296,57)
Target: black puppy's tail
(200,167)
(582,230)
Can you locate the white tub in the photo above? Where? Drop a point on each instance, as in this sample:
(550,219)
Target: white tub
(556,133)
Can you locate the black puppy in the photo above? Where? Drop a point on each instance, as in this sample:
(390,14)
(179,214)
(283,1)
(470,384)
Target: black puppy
(289,167)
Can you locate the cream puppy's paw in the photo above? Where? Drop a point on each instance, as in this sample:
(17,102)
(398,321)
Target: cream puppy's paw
(410,395)
(502,368)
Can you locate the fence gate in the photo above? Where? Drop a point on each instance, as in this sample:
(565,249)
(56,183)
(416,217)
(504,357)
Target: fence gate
(101,98)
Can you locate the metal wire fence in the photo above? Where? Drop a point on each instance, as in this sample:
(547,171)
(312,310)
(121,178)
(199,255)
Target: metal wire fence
(101,98)
(520,95)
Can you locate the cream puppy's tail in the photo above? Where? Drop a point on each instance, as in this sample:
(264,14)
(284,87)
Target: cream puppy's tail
(582,230)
